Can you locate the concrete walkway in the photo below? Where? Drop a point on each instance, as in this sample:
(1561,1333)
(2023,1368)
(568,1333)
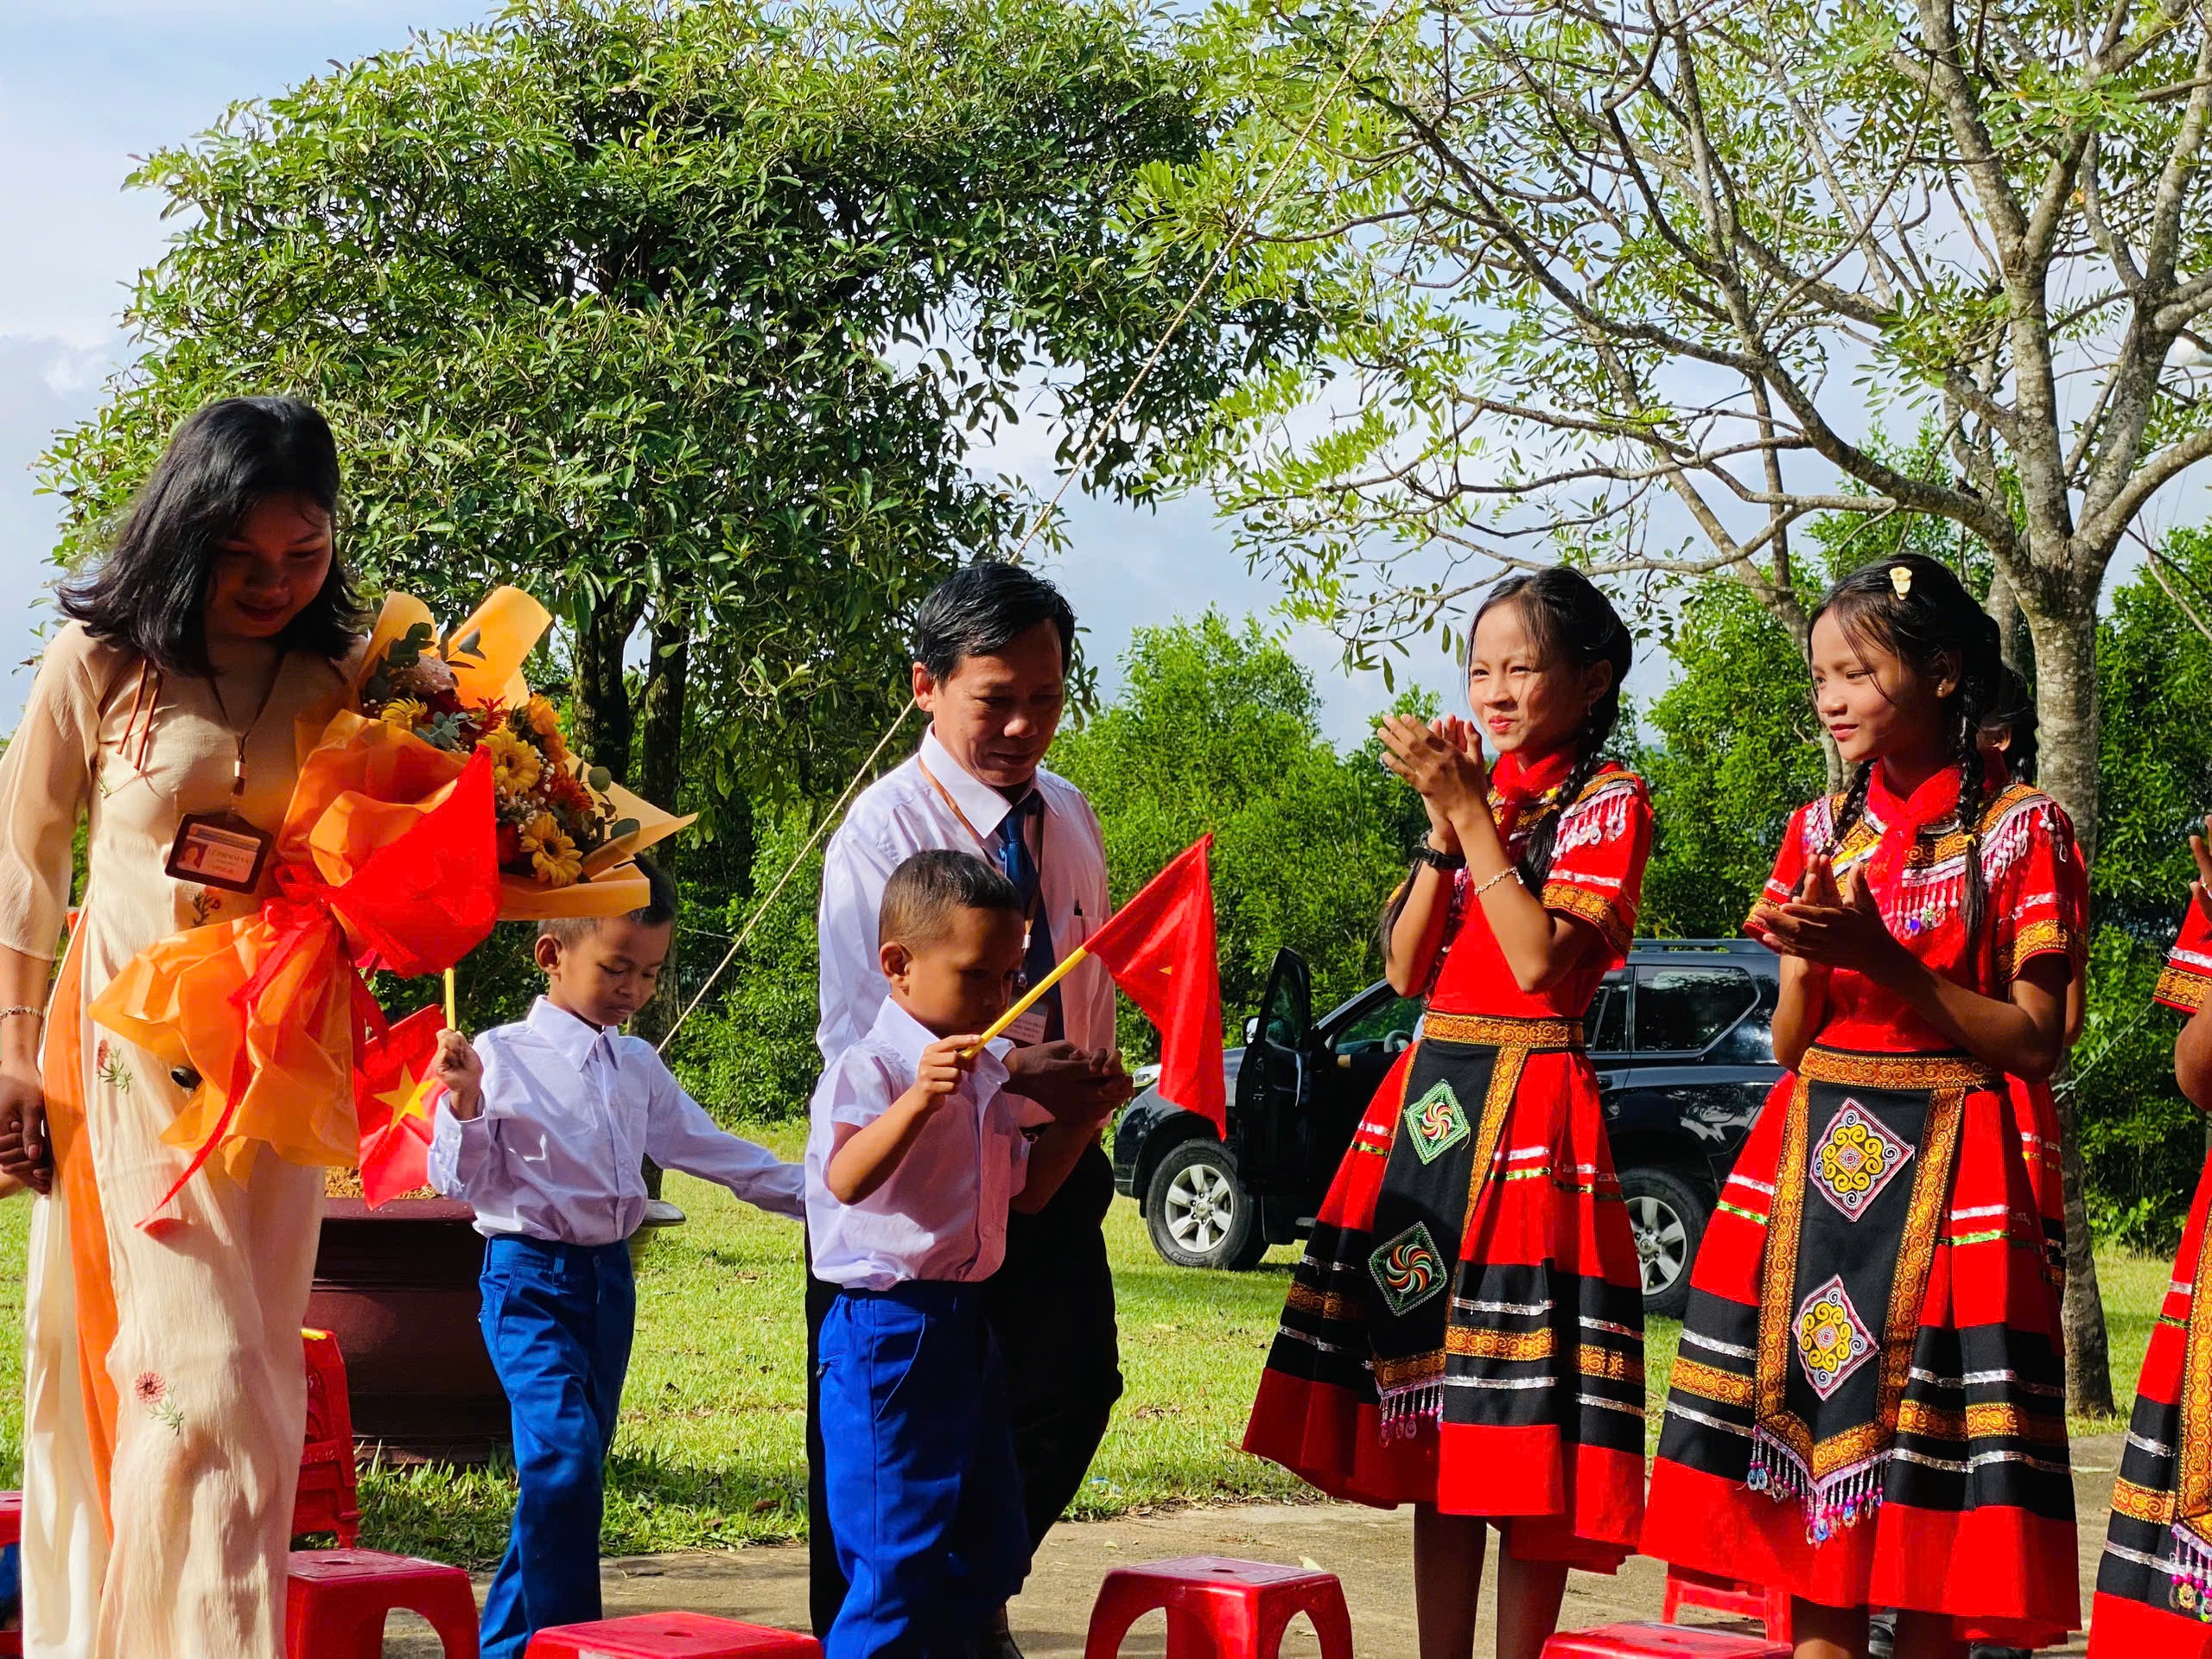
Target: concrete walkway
(1371,1551)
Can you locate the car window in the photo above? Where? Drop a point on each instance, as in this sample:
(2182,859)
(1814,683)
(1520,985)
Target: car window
(1749,1042)
(1396,1017)
(1681,1010)
(1606,1024)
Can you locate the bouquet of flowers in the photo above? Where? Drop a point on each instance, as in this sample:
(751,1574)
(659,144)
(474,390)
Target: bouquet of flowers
(443,801)
(553,812)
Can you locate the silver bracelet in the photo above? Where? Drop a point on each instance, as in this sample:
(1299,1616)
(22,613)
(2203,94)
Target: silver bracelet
(1488,882)
(9,1013)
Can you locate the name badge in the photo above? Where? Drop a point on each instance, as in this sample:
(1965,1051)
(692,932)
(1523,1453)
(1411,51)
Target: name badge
(220,849)
(1027,1030)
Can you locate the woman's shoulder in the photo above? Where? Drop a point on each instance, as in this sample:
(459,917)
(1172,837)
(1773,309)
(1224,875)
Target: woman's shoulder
(1611,782)
(86,664)
(2015,819)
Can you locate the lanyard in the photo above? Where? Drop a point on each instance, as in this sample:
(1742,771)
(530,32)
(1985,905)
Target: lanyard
(986,842)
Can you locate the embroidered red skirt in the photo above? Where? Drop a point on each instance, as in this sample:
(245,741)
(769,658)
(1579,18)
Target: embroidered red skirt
(1971,1506)
(1532,1413)
(2152,1594)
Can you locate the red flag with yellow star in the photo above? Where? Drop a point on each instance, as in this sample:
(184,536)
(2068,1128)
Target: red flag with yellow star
(393,1091)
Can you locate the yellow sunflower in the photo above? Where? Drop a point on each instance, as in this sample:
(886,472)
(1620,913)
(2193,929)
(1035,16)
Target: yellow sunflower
(405,713)
(515,765)
(552,854)
(541,719)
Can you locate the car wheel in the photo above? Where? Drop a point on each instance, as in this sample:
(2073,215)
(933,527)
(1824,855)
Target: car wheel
(1666,1215)
(1197,1211)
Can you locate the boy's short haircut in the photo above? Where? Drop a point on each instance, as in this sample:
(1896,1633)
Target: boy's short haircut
(923,893)
(659,910)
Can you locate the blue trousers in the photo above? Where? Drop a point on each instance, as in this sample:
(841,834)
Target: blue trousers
(557,1318)
(917,1449)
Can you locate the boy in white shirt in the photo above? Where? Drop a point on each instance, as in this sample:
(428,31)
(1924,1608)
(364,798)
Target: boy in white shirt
(913,1159)
(545,1134)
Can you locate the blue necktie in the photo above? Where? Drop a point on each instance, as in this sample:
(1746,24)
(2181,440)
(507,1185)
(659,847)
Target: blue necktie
(1019,864)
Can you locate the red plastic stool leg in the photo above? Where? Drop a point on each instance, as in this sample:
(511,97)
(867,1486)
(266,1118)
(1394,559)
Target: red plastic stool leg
(1121,1603)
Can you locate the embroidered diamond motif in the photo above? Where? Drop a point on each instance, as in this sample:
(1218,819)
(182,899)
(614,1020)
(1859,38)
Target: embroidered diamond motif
(1436,1122)
(1833,1341)
(1855,1158)
(1408,1269)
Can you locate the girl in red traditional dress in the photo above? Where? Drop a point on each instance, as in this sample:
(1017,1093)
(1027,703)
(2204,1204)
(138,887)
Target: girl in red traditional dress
(1869,1402)
(2154,1583)
(1465,1330)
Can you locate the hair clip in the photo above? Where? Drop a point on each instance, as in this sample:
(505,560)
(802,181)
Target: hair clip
(1900,580)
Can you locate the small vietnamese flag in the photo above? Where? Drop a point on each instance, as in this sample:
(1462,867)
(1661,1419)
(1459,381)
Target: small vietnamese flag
(1160,949)
(393,1092)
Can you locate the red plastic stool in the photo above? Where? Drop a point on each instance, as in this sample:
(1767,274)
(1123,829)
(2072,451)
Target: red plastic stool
(1661,1642)
(11,1533)
(1687,1588)
(668,1635)
(336,1600)
(329,1498)
(1235,1610)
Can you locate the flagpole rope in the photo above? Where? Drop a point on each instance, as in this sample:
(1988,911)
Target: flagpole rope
(1239,232)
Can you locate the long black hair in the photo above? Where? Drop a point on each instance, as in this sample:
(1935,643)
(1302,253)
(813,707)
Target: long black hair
(150,592)
(1572,623)
(1933,625)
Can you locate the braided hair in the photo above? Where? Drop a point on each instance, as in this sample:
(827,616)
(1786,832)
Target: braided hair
(1934,619)
(1572,623)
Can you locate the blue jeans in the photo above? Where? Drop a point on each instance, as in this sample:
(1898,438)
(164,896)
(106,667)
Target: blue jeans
(918,1450)
(557,1319)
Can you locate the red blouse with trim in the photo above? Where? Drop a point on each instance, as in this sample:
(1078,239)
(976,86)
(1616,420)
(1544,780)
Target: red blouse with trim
(1913,854)
(2188,972)
(1596,876)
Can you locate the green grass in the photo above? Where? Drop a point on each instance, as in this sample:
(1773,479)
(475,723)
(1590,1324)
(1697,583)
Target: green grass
(712,1448)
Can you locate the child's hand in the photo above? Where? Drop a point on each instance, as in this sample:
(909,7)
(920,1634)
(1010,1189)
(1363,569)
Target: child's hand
(939,1073)
(458,1066)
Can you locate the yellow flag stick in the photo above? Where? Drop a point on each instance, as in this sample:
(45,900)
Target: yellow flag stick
(453,1004)
(1028,998)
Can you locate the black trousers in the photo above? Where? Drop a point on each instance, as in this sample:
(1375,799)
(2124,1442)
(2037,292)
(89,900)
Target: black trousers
(1052,1307)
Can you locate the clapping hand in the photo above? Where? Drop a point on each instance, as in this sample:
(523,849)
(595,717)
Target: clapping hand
(1440,761)
(2200,889)
(1828,923)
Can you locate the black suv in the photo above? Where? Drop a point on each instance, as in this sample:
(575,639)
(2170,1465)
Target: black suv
(1679,1036)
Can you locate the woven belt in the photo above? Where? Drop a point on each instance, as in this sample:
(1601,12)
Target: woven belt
(1497,1031)
(1908,1072)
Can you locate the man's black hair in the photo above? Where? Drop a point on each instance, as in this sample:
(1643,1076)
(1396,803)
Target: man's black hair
(658,910)
(923,893)
(980,609)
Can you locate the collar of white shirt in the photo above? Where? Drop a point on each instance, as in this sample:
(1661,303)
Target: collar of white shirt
(906,1037)
(573,1038)
(984,807)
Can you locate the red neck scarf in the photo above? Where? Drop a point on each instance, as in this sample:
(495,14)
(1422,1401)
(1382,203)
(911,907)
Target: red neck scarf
(1520,785)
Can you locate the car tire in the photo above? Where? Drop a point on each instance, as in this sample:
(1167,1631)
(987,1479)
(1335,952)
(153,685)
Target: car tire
(1199,1214)
(1667,1214)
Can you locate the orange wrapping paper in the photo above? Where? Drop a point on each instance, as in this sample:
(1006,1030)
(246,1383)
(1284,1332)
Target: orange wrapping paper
(385,859)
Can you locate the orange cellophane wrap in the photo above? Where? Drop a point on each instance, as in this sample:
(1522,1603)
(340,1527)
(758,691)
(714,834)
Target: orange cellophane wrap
(385,859)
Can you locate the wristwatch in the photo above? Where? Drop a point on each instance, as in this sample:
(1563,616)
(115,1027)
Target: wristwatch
(1428,855)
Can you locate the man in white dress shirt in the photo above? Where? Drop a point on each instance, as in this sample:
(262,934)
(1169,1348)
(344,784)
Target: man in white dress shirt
(991,647)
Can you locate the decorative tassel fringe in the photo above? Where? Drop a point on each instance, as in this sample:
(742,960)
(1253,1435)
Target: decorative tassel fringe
(2191,1571)
(1845,1498)
(1406,1407)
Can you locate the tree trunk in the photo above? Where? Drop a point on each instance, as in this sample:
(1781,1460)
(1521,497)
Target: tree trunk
(602,715)
(660,770)
(2066,710)
(2004,608)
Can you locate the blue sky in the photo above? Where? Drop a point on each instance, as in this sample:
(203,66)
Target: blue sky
(86,85)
